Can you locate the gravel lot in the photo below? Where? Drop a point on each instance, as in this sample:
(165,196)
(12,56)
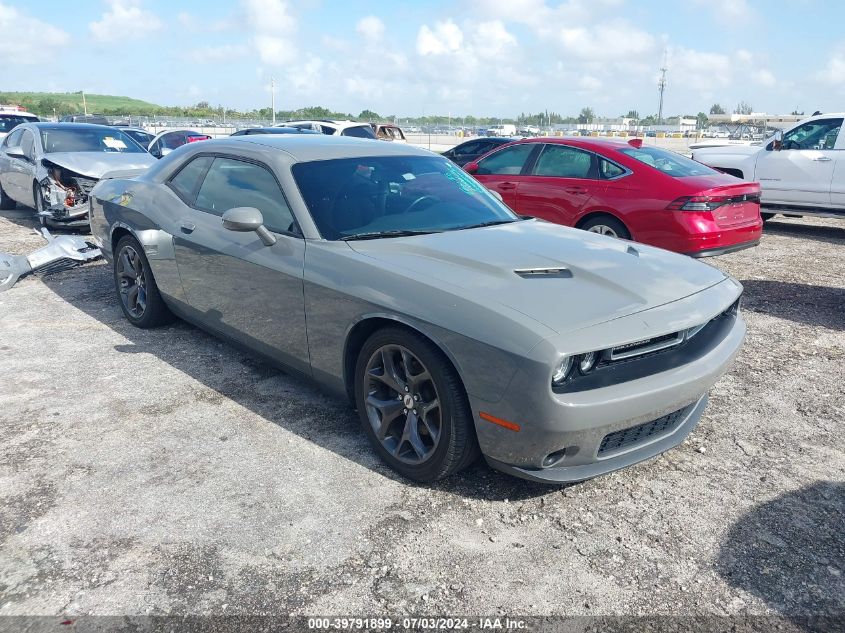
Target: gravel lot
(165,472)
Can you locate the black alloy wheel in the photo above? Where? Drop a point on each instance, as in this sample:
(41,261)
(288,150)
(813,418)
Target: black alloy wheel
(413,406)
(136,287)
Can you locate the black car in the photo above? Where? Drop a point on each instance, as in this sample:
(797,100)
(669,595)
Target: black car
(273,130)
(142,137)
(96,119)
(468,151)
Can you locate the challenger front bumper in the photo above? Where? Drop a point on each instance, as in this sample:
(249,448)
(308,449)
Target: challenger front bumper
(576,435)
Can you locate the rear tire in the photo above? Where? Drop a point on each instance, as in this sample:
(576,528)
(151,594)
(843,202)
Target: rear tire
(413,406)
(6,203)
(136,287)
(767,216)
(606,225)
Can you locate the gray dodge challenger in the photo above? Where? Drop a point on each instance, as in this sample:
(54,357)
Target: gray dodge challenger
(454,326)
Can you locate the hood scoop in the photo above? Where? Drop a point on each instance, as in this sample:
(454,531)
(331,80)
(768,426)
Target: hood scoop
(536,273)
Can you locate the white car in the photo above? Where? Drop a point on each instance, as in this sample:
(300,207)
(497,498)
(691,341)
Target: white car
(801,171)
(333,128)
(11,118)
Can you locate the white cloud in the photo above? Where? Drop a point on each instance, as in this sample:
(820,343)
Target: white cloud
(730,12)
(834,72)
(28,40)
(209,54)
(613,41)
(273,29)
(446,37)
(589,83)
(269,15)
(492,39)
(699,70)
(370,28)
(765,77)
(275,51)
(125,19)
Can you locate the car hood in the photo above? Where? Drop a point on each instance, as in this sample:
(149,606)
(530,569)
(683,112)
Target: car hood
(95,164)
(602,278)
(733,150)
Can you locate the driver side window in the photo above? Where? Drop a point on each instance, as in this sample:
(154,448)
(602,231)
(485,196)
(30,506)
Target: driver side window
(231,183)
(28,144)
(14,139)
(818,134)
(508,161)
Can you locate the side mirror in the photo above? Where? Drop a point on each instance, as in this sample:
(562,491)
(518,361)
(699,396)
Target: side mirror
(16,152)
(246,219)
(777,141)
(164,152)
(471,168)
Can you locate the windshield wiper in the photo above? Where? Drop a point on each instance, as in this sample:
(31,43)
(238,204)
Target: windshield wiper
(490,223)
(374,235)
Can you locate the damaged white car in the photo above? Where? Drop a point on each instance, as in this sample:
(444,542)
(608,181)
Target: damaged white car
(52,167)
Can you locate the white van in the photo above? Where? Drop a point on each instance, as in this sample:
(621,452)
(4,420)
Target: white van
(507,129)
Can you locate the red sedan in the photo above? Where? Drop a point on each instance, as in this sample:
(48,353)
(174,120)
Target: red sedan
(624,189)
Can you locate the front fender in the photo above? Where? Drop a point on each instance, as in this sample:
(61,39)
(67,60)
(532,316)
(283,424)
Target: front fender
(115,212)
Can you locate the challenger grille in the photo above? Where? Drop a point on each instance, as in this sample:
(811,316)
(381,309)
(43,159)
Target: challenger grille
(634,435)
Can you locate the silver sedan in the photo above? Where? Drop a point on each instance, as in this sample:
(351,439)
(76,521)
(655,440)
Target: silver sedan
(52,167)
(390,276)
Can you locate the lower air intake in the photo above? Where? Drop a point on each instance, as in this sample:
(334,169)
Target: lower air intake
(627,438)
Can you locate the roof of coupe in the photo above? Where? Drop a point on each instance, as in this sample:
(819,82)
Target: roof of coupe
(308,148)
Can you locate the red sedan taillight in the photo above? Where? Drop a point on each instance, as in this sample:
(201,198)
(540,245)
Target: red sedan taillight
(193,139)
(710,203)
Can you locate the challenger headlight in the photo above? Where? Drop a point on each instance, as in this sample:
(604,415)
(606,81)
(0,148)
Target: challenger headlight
(562,370)
(588,361)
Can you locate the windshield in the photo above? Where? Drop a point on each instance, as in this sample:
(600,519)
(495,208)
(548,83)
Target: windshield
(361,131)
(87,139)
(669,163)
(380,194)
(7,122)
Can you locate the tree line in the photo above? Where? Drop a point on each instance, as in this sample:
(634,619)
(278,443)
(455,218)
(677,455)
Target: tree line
(49,106)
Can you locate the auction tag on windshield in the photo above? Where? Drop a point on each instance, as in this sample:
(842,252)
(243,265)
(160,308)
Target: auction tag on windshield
(114,143)
(408,176)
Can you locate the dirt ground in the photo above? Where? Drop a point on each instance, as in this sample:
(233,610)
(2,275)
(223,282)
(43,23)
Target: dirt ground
(165,472)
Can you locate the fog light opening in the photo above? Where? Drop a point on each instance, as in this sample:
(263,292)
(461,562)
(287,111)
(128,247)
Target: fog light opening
(553,458)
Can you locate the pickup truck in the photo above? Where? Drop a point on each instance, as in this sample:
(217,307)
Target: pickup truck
(801,171)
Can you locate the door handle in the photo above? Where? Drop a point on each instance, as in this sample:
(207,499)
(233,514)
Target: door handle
(576,190)
(821,158)
(507,186)
(188,226)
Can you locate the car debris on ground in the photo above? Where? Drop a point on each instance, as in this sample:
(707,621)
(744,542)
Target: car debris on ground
(60,253)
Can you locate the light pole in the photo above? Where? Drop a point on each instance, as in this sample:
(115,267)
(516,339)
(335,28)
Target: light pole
(273,98)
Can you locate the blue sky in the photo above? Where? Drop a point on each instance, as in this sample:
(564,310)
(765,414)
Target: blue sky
(483,57)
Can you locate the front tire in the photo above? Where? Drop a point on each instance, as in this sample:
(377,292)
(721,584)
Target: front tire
(6,203)
(136,287)
(413,407)
(606,225)
(39,204)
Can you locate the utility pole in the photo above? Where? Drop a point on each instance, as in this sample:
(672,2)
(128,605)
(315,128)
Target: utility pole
(273,98)
(84,103)
(661,86)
